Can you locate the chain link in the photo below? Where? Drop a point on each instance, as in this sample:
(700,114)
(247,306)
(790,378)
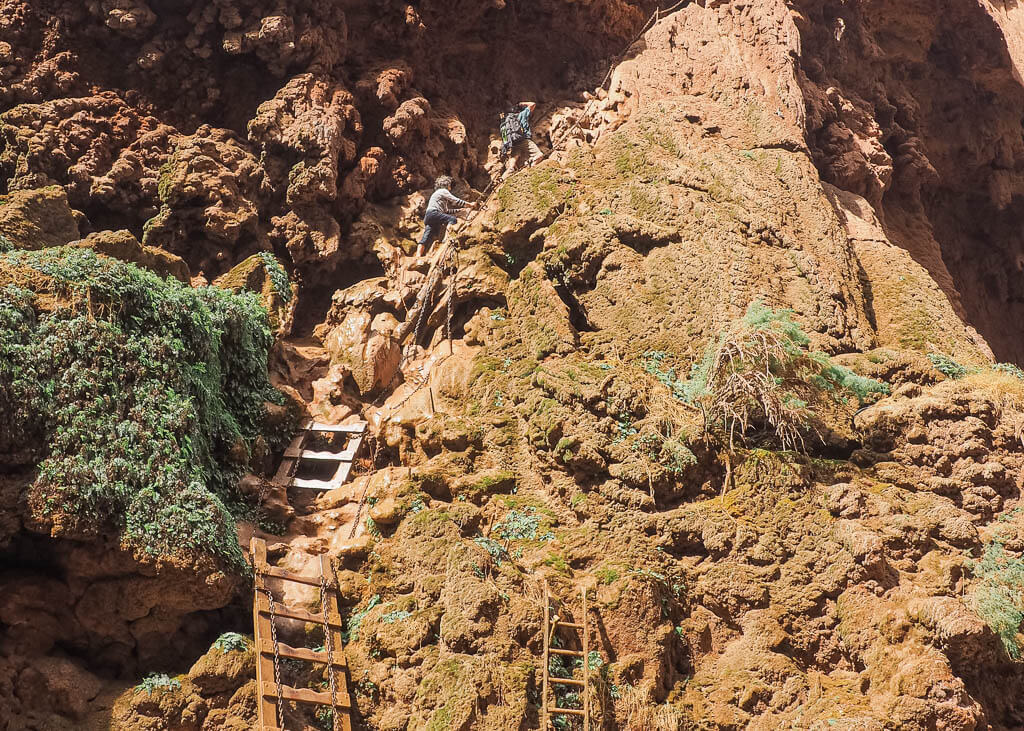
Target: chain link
(277,651)
(329,646)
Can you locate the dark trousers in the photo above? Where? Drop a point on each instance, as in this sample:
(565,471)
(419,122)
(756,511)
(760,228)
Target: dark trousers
(435,223)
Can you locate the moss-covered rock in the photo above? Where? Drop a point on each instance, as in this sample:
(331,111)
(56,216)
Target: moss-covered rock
(36,219)
(124,246)
(263,274)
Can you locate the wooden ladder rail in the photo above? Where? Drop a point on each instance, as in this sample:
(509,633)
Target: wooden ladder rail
(549,632)
(297,452)
(267,648)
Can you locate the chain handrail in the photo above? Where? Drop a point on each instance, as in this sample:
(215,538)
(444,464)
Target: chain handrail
(277,651)
(329,647)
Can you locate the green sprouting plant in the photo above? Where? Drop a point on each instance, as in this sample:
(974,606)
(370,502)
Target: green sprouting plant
(158,681)
(521,525)
(278,276)
(758,376)
(998,597)
(351,632)
(624,426)
(396,616)
(371,527)
(947,366)
(231,642)
(5,244)
(1010,369)
(671,453)
(495,549)
(594,660)
(325,718)
(141,398)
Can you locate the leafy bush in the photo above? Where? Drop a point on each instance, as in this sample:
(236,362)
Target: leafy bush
(759,375)
(356,619)
(998,597)
(158,681)
(1010,369)
(396,616)
(278,276)
(231,642)
(521,525)
(947,366)
(142,398)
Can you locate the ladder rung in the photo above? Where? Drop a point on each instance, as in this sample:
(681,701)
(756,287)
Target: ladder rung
(289,613)
(305,695)
(574,653)
(315,484)
(570,711)
(570,625)
(565,681)
(342,428)
(300,653)
(286,575)
(346,456)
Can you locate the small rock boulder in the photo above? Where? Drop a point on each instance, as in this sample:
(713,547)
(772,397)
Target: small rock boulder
(263,274)
(37,219)
(124,246)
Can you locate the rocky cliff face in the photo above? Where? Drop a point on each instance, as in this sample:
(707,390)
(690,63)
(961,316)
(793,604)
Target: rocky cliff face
(833,184)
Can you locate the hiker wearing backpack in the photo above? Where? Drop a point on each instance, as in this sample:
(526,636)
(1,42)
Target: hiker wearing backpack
(440,213)
(516,142)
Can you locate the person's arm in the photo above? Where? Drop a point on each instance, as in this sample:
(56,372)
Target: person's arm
(454,201)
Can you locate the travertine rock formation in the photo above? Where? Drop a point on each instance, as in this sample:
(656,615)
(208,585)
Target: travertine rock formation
(856,163)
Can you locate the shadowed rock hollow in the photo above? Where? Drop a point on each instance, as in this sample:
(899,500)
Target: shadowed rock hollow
(835,182)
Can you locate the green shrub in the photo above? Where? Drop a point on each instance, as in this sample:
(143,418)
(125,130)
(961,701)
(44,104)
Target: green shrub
(356,619)
(396,616)
(521,525)
(759,376)
(142,398)
(1009,368)
(231,642)
(947,366)
(278,276)
(158,681)
(998,597)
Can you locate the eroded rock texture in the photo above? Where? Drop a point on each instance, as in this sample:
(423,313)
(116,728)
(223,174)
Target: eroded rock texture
(856,163)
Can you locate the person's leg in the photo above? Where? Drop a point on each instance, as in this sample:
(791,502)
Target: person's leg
(428,231)
(535,152)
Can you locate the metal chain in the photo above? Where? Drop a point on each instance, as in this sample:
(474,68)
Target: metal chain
(329,646)
(277,651)
(451,296)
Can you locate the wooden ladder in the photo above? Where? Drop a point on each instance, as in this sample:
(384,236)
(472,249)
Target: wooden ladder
(297,453)
(550,627)
(271,694)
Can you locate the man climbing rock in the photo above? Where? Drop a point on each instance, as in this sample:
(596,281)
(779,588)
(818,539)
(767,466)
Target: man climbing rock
(440,213)
(516,142)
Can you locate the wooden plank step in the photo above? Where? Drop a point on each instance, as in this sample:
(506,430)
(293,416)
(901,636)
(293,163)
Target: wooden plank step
(286,575)
(300,653)
(569,711)
(574,653)
(263,606)
(337,428)
(570,625)
(315,484)
(566,681)
(347,456)
(305,695)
